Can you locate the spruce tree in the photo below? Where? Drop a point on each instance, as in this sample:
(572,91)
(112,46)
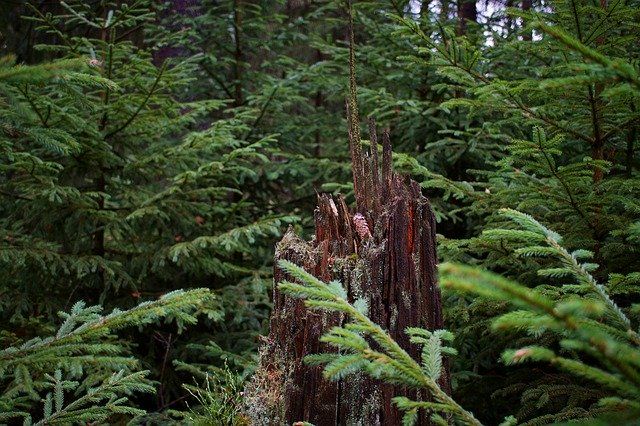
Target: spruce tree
(562,107)
(116,189)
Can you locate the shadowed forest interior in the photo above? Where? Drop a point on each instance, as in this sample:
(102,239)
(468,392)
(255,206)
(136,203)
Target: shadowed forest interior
(163,161)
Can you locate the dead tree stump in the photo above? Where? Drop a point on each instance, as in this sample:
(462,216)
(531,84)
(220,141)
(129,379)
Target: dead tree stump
(385,252)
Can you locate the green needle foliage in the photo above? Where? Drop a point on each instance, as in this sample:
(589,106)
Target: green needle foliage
(117,183)
(98,404)
(84,372)
(593,339)
(390,363)
(578,328)
(220,399)
(550,130)
(151,146)
(575,82)
(118,186)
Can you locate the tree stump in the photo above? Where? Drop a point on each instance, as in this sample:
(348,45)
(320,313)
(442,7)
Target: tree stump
(385,252)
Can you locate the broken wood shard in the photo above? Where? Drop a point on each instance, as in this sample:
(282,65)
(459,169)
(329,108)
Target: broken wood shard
(392,265)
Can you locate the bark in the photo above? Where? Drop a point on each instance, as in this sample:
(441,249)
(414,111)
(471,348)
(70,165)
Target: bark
(238,54)
(596,102)
(467,11)
(394,268)
(526,7)
(632,134)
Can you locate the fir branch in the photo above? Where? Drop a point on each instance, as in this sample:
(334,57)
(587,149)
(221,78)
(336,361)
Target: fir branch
(39,73)
(35,109)
(623,70)
(85,323)
(570,261)
(511,98)
(143,104)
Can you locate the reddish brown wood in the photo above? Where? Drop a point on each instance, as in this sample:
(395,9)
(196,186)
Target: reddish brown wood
(394,268)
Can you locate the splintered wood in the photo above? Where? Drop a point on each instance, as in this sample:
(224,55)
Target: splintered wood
(384,252)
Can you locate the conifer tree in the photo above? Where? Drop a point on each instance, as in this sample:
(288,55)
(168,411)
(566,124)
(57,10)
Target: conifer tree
(117,190)
(576,174)
(83,373)
(131,168)
(576,327)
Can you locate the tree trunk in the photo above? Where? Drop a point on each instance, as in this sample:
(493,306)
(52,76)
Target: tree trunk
(526,7)
(238,55)
(467,12)
(385,253)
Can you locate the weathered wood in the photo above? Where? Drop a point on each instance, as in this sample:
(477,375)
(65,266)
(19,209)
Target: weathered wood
(375,168)
(391,262)
(383,252)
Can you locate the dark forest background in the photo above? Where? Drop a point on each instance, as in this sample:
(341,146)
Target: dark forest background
(153,153)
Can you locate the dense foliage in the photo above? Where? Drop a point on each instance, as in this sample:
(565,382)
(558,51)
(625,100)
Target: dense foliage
(147,148)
